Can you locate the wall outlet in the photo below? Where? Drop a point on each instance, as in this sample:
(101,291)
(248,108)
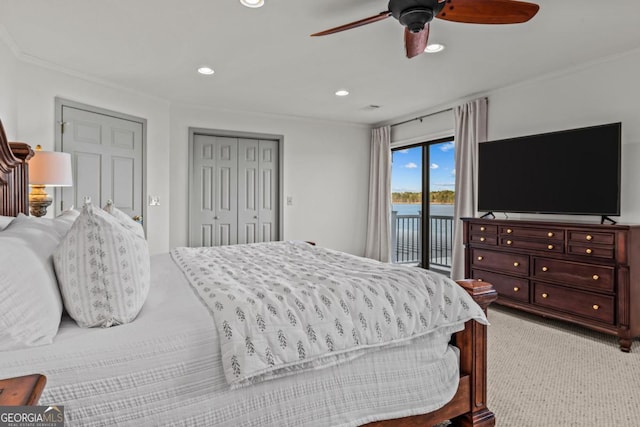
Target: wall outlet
(154,200)
(289,200)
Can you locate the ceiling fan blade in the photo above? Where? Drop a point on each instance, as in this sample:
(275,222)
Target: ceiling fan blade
(488,11)
(365,21)
(415,43)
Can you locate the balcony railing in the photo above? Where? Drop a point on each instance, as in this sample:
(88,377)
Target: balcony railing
(406,241)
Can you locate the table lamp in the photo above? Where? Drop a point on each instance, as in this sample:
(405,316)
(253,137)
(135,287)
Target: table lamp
(47,168)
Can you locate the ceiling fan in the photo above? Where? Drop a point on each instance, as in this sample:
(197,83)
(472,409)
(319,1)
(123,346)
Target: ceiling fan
(415,16)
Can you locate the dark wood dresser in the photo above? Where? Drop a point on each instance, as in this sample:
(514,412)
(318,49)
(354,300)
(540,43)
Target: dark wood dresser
(587,274)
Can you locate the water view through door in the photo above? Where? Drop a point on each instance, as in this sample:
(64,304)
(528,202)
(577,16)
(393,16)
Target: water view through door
(415,241)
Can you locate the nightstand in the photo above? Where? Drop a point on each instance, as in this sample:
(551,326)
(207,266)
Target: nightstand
(22,391)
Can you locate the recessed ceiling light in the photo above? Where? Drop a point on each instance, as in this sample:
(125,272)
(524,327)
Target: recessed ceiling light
(252,3)
(206,71)
(434,47)
(342,92)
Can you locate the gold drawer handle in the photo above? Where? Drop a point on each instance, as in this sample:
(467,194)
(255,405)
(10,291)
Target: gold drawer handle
(516,264)
(550,234)
(595,306)
(482,239)
(480,258)
(589,237)
(545,295)
(596,277)
(509,242)
(516,289)
(482,228)
(509,231)
(545,268)
(588,250)
(550,247)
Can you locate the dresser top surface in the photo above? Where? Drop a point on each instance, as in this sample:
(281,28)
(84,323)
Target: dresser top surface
(543,223)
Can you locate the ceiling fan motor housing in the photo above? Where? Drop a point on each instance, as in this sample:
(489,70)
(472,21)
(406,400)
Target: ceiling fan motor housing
(415,14)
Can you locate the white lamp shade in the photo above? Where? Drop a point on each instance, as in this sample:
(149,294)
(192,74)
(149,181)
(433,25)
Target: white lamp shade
(50,168)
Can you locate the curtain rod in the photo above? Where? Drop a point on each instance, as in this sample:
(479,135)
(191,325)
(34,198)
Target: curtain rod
(421,117)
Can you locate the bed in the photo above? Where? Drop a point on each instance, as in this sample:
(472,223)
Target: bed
(173,363)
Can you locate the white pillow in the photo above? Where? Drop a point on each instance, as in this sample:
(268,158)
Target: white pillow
(30,303)
(5,220)
(103,270)
(65,220)
(124,219)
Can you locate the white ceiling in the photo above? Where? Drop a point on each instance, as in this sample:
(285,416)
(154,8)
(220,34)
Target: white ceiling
(265,60)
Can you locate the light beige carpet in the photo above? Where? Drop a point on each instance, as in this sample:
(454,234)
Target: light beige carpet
(543,372)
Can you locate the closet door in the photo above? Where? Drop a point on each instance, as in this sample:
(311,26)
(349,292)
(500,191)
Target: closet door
(214,193)
(268,195)
(234,191)
(248,191)
(226,190)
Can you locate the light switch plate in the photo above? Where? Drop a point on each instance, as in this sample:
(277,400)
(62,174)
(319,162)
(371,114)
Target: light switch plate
(154,200)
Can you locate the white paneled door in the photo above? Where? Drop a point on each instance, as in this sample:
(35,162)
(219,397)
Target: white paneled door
(106,154)
(234,191)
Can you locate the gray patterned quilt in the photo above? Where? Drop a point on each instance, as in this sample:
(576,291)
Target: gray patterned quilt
(284,306)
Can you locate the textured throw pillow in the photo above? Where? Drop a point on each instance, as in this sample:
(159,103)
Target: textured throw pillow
(65,220)
(30,303)
(103,270)
(125,220)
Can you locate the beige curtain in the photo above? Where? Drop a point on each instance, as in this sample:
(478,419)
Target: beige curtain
(470,129)
(378,243)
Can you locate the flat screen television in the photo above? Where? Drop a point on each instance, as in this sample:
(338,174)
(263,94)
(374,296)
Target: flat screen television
(573,172)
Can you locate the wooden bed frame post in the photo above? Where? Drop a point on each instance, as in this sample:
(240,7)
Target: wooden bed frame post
(14,173)
(472,342)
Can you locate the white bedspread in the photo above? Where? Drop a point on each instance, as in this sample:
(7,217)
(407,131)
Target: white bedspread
(282,307)
(165,369)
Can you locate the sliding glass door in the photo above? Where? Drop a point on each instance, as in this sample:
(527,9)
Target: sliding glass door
(423,189)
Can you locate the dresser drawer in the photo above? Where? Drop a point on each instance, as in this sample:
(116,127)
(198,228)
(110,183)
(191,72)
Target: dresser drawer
(483,234)
(590,276)
(484,239)
(593,306)
(599,238)
(591,250)
(554,246)
(507,286)
(483,229)
(543,232)
(510,263)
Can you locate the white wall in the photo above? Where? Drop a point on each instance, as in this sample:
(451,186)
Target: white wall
(8,91)
(33,122)
(326,171)
(436,125)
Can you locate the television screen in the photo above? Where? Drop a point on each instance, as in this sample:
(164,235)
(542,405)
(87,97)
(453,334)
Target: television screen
(568,172)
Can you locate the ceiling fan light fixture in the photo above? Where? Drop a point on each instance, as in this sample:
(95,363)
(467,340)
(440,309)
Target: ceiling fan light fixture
(434,48)
(252,3)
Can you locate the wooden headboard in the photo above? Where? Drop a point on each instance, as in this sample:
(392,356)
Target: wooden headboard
(14,176)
